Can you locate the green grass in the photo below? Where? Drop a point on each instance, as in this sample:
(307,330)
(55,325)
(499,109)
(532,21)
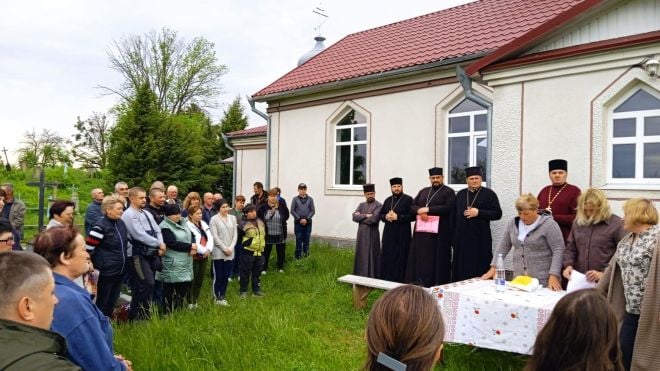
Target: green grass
(306,322)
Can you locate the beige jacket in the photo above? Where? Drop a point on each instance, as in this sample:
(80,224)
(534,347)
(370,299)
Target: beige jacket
(647,341)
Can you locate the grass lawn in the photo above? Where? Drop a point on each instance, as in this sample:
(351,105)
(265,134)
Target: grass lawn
(306,322)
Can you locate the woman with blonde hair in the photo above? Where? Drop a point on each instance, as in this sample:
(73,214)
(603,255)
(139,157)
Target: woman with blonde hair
(593,238)
(632,284)
(405,330)
(581,334)
(538,244)
(192,199)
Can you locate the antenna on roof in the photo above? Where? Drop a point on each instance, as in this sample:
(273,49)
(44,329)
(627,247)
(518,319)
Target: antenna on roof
(322,17)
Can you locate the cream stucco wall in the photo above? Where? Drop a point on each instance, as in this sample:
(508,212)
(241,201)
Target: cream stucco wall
(402,132)
(250,168)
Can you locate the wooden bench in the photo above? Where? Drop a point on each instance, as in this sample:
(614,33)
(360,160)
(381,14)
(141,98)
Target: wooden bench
(362,286)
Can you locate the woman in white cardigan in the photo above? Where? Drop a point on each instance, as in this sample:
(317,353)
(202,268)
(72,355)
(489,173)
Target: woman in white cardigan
(224,231)
(204,241)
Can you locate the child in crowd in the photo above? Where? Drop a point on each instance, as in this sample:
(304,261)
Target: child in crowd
(253,242)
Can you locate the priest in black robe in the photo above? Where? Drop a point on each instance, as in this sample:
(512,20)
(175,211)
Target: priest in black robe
(367,248)
(476,207)
(396,216)
(429,260)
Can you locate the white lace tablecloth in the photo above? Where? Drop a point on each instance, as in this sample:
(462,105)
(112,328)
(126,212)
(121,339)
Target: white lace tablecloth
(476,314)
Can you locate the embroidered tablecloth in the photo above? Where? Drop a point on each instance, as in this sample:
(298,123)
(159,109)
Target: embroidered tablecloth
(476,314)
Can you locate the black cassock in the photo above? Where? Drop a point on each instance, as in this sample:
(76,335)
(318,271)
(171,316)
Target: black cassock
(473,243)
(429,260)
(396,237)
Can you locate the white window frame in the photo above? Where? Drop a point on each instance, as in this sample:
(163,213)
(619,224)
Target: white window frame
(350,143)
(638,140)
(474,137)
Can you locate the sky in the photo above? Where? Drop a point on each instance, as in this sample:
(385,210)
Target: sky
(53,54)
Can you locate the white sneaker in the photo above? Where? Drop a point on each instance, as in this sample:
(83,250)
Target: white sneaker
(222,303)
(229,279)
(281,270)
(263,273)
(192,306)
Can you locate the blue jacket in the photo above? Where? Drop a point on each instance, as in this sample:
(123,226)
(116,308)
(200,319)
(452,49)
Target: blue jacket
(107,243)
(87,331)
(92,215)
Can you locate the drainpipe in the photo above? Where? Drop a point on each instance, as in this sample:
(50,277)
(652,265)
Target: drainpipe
(476,97)
(233,170)
(268,134)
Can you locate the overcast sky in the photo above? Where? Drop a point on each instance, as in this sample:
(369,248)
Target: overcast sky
(54,53)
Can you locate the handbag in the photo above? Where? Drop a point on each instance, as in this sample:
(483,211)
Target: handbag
(428,226)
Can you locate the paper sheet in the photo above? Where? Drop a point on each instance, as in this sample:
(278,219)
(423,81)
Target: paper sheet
(579,281)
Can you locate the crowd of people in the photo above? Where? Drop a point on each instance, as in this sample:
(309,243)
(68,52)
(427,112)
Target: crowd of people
(161,247)
(555,234)
(157,246)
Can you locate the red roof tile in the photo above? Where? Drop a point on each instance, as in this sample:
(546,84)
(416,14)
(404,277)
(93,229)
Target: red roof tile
(257,130)
(466,30)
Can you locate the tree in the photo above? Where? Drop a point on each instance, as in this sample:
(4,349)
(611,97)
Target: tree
(233,119)
(90,146)
(134,140)
(178,73)
(45,149)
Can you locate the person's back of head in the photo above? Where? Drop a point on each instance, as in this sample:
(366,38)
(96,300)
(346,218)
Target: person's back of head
(27,289)
(406,326)
(581,334)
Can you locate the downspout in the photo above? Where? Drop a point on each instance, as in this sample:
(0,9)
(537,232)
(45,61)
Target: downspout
(478,98)
(234,168)
(268,135)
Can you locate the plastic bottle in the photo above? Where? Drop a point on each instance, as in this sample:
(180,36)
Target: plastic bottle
(500,274)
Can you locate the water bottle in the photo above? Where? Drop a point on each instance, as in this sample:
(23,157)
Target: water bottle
(500,274)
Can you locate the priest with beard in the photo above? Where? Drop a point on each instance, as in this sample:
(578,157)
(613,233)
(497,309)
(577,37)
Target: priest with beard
(367,248)
(476,207)
(396,216)
(560,198)
(429,260)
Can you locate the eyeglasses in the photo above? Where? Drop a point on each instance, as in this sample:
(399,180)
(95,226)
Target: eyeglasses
(8,241)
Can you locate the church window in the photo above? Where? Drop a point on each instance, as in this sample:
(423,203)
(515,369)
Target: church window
(467,140)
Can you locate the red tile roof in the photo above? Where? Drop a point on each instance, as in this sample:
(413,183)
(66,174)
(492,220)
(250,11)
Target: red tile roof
(257,130)
(467,30)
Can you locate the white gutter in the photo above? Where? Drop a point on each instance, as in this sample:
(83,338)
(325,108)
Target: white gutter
(268,135)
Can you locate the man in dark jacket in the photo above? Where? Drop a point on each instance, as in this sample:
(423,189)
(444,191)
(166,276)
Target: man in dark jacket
(27,300)
(93,212)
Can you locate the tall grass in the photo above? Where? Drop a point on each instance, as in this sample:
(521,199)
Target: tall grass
(306,322)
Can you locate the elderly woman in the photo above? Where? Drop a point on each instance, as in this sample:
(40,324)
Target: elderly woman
(177,273)
(594,236)
(204,241)
(86,329)
(107,243)
(632,283)
(538,243)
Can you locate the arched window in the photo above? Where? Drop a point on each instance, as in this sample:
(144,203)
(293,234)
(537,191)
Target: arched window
(467,140)
(350,147)
(634,140)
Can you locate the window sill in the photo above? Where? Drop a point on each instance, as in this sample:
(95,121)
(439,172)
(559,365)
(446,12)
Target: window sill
(353,191)
(630,187)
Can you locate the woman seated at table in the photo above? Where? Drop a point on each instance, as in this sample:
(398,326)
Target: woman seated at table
(581,334)
(593,238)
(405,330)
(538,243)
(87,331)
(632,283)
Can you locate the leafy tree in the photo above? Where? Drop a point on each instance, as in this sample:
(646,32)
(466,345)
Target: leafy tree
(178,73)
(45,149)
(135,140)
(91,142)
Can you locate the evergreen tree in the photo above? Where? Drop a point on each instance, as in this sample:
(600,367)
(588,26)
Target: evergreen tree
(233,119)
(135,145)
